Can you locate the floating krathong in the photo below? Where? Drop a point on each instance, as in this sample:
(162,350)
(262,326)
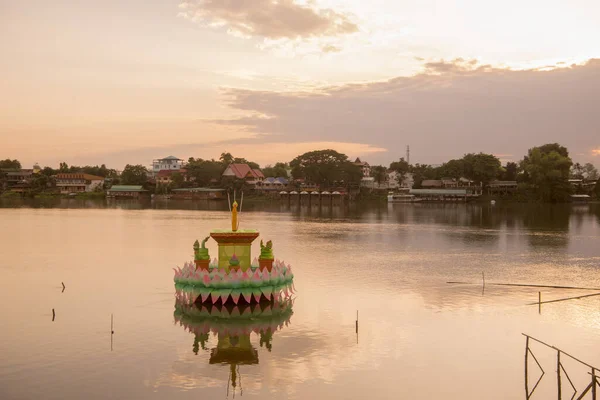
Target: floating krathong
(233,278)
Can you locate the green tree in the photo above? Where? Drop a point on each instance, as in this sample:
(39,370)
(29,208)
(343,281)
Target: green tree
(10,164)
(204,172)
(379,173)
(452,169)
(323,167)
(420,173)
(547,170)
(49,171)
(278,170)
(226,158)
(481,167)
(576,171)
(63,167)
(590,173)
(40,183)
(176,180)
(134,175)
(510,172)
(402,168)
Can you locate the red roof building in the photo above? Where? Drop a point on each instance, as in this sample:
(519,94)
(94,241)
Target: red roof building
(243,171)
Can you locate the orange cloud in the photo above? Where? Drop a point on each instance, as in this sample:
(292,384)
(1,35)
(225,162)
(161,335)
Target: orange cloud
(282,19)
(596,152)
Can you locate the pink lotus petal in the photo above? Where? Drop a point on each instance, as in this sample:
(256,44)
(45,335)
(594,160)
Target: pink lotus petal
(256,296)
(204,296)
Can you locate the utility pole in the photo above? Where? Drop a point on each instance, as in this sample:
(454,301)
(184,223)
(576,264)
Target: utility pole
(408,154)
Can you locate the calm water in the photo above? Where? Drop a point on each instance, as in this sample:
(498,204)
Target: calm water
(418,338)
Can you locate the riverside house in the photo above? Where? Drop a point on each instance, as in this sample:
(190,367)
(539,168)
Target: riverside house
(127,191)
(244,172)
(78,183)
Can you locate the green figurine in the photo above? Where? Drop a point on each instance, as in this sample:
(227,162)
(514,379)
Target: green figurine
(266,252)
(201,253)
(234,262)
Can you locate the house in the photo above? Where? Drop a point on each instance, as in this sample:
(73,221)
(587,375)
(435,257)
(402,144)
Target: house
(170,163)
(365,167)
(271,183)
(126,191)
(502,187)
(243,171)
(17,176)
(165,176)
(78,182)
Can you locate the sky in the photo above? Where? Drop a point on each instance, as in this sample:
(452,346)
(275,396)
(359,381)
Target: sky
(125,82)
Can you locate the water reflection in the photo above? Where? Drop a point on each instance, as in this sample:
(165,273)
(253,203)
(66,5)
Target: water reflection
(232,325)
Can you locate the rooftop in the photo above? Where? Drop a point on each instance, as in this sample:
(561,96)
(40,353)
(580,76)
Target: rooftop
(78,175)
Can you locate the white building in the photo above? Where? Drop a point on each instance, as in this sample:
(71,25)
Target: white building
(167,164)
(365,167)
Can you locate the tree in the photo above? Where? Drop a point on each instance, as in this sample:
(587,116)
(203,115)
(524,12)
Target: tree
(379,173)
(10,164)
(63,167)
(576,171)
(452,169)
(48,171)
(547,169)
(590,173)
(481,167)
(278,170)
(511,169)
(402,168)
(420,173)
(203,172)
(226,158)
(40,183)
(134,175)
(176,180)
(324,167)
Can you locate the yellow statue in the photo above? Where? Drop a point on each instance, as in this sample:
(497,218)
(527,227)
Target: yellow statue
(234,220)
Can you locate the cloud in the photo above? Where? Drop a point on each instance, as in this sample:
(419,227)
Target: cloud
(269,19)
(449,109)
(596,152)
(330,48)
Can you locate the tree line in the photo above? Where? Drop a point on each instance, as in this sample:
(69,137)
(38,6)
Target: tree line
(542,175)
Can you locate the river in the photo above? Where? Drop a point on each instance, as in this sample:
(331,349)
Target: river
(418,336)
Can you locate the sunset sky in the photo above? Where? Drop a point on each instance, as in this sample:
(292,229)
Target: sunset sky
(119,82)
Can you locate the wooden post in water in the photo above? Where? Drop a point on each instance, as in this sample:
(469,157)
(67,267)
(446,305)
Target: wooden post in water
(53,315)
(526,364)
(558,375)
(594,383)
(356,326)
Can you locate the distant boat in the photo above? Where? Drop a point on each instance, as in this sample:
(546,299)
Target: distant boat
(402,198)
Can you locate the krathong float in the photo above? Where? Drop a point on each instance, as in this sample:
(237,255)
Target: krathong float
(233,278)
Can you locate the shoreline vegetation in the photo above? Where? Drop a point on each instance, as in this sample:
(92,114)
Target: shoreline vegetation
(546,174)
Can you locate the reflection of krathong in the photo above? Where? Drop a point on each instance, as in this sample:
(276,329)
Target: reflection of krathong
(233,278)
(233,325)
